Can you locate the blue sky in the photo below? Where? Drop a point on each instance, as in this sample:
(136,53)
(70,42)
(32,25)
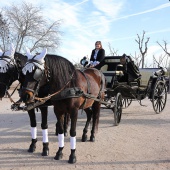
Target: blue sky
(111,21)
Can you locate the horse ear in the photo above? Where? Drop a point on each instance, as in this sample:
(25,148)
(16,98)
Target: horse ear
(28,54)
(1,52)
(10,53)
(41,56)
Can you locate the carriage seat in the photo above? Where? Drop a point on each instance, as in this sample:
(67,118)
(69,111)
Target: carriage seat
(126,76)
(110,77)
(104,68)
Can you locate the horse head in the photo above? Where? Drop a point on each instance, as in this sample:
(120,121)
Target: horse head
(33,75)
(7,69)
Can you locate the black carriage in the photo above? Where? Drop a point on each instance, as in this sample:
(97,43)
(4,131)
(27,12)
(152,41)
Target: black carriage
(125,85)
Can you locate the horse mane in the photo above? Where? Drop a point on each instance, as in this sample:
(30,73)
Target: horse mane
(20,59)
(61,70)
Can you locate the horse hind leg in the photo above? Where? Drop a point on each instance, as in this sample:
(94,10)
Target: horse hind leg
(44,127)
(33,125)
(89,114)
(96,114)
(66,123)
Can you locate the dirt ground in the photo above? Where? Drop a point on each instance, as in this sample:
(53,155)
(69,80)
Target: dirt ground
(140,142)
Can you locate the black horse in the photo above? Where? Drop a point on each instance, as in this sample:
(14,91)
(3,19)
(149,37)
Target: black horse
(69,85)
(12,73)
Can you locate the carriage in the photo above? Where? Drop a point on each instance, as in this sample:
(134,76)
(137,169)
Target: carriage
(73,89)
(121,89)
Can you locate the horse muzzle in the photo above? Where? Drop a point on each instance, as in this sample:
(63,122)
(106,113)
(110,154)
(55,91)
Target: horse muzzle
(27,96)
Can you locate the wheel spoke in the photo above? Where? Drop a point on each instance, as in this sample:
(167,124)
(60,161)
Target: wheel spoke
(160,106)
(156,105)
(118,109)
(159,96)
(125,103)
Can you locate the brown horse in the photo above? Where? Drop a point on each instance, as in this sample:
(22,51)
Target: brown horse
(63,78)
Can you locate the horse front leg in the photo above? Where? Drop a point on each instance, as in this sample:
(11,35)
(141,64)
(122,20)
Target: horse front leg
(60,121)
(33,125)
(44,127)
(96,114)
(89,114)
(73,116)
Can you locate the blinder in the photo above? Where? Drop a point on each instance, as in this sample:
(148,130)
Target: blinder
(38,74)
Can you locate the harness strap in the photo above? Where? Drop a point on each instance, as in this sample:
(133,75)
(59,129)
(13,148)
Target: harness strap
(96,99)
(49,97)
(9,96)
(102,84)
(88,83)
(88,89)
(15,89)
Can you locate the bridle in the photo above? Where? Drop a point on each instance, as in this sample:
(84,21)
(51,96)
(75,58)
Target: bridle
(11,68)
(45,72)
(38,75)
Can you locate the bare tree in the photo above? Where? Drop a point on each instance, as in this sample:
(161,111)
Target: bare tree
(142,45)
(164,47)
(112,50)
(29,28)
(137,59)
(167,54)
(4,33)
(161,61)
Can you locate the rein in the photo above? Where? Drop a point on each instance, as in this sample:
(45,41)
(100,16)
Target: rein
(48,97)
(9,95)
(10,98)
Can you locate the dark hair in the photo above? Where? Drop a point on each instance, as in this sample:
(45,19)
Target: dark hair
(99,43)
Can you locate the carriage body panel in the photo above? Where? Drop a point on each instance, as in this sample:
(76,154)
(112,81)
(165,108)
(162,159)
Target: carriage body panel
(151,83)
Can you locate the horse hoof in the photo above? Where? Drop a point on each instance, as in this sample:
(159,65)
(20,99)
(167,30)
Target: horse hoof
(32,146)
(84,138)
(45,152)
(72,159)
(31,149)
(58,156)
(92,138)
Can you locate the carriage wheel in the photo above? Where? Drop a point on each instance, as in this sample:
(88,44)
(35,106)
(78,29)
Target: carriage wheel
(126,103)
(159,96)
(117,109)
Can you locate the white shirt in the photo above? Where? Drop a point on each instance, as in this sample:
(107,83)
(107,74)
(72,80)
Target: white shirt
(95,55)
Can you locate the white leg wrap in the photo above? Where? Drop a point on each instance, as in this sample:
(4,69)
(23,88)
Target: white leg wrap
(61,140)
(45,135)
(73,142)
(34,132)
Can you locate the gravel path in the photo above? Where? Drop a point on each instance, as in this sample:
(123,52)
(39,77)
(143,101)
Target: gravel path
(141,141)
